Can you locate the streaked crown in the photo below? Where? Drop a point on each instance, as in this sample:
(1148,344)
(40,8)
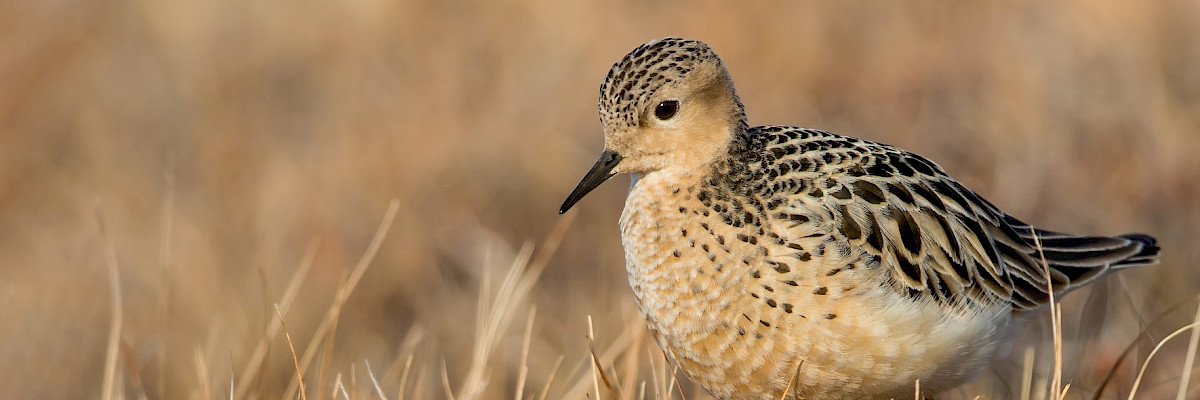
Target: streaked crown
(632,82)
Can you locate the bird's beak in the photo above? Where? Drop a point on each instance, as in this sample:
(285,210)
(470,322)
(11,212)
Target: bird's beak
(597,175)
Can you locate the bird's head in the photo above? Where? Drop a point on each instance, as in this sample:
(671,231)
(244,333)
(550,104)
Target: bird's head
(667,104)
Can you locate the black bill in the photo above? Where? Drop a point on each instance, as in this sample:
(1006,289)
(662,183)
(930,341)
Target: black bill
(597,175)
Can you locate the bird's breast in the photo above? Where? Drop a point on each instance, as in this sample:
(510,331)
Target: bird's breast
(739,310)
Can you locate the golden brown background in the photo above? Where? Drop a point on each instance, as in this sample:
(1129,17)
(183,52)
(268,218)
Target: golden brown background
(228,144)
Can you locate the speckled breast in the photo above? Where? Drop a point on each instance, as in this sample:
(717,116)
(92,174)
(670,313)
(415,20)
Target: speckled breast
(743,312)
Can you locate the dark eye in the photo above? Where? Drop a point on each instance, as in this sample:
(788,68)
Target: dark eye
(666,109)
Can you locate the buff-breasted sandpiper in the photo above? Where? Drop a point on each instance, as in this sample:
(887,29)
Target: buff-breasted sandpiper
(759,255)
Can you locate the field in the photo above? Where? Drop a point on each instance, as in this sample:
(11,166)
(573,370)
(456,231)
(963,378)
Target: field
(172,172)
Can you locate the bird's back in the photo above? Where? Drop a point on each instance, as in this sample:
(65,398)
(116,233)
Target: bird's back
(936,237)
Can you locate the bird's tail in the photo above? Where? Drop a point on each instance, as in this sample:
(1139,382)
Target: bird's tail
(1073,260)
(1066,251)
(1081,258)
(1148,254)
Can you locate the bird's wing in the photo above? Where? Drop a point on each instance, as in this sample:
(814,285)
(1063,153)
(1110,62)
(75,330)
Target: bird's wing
(934,236)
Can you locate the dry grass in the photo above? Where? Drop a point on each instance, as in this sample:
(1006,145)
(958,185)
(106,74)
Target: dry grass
(242,154)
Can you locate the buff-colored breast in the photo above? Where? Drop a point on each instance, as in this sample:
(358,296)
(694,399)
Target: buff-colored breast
(742,313)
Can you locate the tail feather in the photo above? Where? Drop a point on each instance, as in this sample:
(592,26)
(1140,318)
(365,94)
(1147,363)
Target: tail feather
(1131,249)
(1097,252)
(1147,255)
(1073,260)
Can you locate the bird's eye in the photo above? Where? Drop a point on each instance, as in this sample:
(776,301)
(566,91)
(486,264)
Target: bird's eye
(666,109)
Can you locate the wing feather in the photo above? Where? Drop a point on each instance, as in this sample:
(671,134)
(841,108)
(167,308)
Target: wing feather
(934,236)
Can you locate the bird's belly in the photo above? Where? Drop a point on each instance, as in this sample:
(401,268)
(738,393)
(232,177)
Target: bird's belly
(742,331)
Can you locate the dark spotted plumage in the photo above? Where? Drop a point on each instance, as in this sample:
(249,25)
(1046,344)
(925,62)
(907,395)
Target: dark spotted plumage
(775,257)
(948,243)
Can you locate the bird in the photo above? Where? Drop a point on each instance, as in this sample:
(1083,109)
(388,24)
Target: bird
(774,261)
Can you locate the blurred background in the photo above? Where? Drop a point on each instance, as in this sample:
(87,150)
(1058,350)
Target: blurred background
(226,156)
